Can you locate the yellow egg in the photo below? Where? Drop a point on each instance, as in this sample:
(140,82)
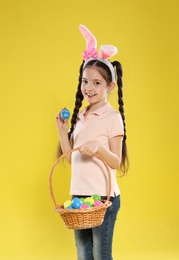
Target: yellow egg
(67,203)
(89,199)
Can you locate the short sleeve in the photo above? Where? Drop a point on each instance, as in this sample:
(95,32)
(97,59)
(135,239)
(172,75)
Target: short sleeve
(116,126)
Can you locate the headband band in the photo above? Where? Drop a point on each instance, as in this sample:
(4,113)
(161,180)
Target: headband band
(105,51)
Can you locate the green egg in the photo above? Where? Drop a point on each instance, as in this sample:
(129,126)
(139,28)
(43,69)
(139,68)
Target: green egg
(96,197)
(89,203)
(82,200)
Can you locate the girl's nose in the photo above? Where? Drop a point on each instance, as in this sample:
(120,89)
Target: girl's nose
(89,86)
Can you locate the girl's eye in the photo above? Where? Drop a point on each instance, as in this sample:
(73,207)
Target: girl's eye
(84,81)
(97,83)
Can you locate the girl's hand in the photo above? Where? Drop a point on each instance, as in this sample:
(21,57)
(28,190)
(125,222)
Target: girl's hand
(90,148)
(62,125)
(112,156)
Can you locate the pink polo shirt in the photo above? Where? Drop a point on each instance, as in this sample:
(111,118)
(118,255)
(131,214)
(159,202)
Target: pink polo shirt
(89,175)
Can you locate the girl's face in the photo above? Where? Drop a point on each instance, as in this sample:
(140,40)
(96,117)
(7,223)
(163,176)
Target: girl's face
(94,88)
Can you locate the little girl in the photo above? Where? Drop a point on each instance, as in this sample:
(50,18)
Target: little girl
(96,129)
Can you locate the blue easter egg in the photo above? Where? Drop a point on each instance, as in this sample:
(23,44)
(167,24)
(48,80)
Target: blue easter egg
(69,207)
(76,203)
(65,113)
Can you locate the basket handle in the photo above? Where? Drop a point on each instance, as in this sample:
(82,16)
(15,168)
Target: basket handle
(70,151)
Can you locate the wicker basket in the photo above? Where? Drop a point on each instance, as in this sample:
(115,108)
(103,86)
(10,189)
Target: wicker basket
(82,218)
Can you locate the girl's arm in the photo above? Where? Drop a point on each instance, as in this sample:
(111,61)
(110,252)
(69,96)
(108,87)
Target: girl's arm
(62,127)
(112,156)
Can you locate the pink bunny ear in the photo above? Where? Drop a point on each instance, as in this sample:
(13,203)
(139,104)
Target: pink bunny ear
(90,38)
(107,51)
(91,43)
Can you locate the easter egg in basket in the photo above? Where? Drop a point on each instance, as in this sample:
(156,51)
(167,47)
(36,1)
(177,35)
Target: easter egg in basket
(96,197)
(67,203)
(89,199)
(98,203)
(76,203)
(85,206)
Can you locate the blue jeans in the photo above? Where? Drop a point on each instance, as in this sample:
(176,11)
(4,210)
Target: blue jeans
(96,243)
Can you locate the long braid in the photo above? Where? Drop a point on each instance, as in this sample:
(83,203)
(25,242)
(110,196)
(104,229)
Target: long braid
(124,161)
(78,103)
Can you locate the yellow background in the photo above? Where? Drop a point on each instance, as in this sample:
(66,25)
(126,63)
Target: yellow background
(40,54)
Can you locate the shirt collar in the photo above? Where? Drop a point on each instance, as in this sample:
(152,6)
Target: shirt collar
(97,112)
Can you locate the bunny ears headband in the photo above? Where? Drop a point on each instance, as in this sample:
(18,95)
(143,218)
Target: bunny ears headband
(105,51)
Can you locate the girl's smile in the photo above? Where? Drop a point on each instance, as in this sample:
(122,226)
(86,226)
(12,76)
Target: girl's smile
(90,95)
